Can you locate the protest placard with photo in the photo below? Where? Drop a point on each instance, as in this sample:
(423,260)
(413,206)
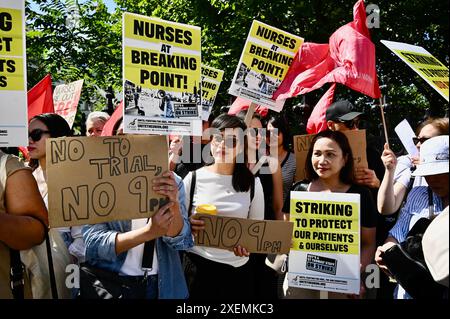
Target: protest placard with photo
(356,139)
(325,253)
(423,63)
(13,74)
(66,98)
(100,179)
(211,79)
(265,60)
(161,76)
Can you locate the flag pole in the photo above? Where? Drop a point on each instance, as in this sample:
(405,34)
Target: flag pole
(383,119)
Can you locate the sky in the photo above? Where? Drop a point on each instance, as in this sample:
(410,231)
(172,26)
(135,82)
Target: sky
(109,3)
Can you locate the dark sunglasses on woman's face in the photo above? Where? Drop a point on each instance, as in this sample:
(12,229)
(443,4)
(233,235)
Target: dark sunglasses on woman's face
(36,134)
(230,141)
(416,140)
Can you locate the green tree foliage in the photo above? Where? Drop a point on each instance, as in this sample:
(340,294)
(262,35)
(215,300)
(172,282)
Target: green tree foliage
(93,51)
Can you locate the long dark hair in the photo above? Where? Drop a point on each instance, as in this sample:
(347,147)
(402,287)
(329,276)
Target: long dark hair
(57,126)
(242,179)
(346,174)
(282,125)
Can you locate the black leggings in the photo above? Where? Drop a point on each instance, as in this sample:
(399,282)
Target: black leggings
(210,280)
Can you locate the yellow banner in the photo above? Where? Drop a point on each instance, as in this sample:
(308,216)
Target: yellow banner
(276,36)
(323,226)
(11,40)
(158,31)
(429,68)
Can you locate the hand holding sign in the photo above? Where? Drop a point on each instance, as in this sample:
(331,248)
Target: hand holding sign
(366,177)
(388,158)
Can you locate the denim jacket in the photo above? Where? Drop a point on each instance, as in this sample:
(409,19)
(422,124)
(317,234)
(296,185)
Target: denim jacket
(100,242)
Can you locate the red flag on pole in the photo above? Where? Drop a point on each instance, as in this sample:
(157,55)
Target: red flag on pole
(108,129)
(40,98)
(241,104)
(317,122)
(349,60)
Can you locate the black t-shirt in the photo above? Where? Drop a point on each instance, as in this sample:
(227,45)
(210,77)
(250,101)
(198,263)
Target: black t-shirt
(367,206)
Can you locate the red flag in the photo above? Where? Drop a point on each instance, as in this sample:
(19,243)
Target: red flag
(113,120)
(241,104)
(317,122)
(40,98)
(350,61)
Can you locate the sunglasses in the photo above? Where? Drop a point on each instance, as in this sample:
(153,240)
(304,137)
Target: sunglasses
(351,124)
(230,141)
(36,134)
(416,140)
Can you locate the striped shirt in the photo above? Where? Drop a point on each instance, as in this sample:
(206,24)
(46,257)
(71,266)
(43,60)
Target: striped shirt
(416,207)
(288,168)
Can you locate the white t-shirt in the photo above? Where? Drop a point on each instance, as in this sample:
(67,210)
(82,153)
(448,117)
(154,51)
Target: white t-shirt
(216,189)
(133,261)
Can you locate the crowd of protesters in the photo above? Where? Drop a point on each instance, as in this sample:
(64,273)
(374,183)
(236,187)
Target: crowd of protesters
(246,175)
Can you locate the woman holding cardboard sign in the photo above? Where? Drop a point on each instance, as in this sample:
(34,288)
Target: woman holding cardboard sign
(215,273)
(41,128)
(329,168)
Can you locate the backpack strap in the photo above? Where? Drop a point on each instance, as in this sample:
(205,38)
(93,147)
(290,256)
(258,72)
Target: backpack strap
(51,270)
(191,193)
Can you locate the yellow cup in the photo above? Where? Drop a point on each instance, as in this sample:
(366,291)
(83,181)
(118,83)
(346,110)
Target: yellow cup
(206,209)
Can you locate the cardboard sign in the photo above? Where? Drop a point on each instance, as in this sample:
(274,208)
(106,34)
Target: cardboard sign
(161,76)
(66,98)
(357,140)
(326,241)
(211,79)
(257,236)
(423,63)
(99,179)
(266,58)
(13,81)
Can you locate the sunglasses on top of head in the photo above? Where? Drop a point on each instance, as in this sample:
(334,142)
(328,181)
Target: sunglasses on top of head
(36,134)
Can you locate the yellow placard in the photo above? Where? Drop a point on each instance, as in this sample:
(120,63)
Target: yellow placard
(429,68)
(156,70)
(11,40)
(324,226)
(211,79)
(150,29)
(11,74)
(279,38)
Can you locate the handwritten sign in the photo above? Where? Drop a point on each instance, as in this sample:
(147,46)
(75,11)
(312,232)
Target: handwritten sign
(257,236)
(162,76)
(357,140)
(100,179)
(66,98)
(326,241)
(13,81)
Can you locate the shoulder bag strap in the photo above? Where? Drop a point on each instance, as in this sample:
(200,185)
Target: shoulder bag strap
(430,203)
(16,274)
(51,270)
(191,193)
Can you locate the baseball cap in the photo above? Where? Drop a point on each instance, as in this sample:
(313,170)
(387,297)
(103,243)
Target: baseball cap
(433,157)
(341,110)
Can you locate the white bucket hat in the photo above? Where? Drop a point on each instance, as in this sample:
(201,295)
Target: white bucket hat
(433,157)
